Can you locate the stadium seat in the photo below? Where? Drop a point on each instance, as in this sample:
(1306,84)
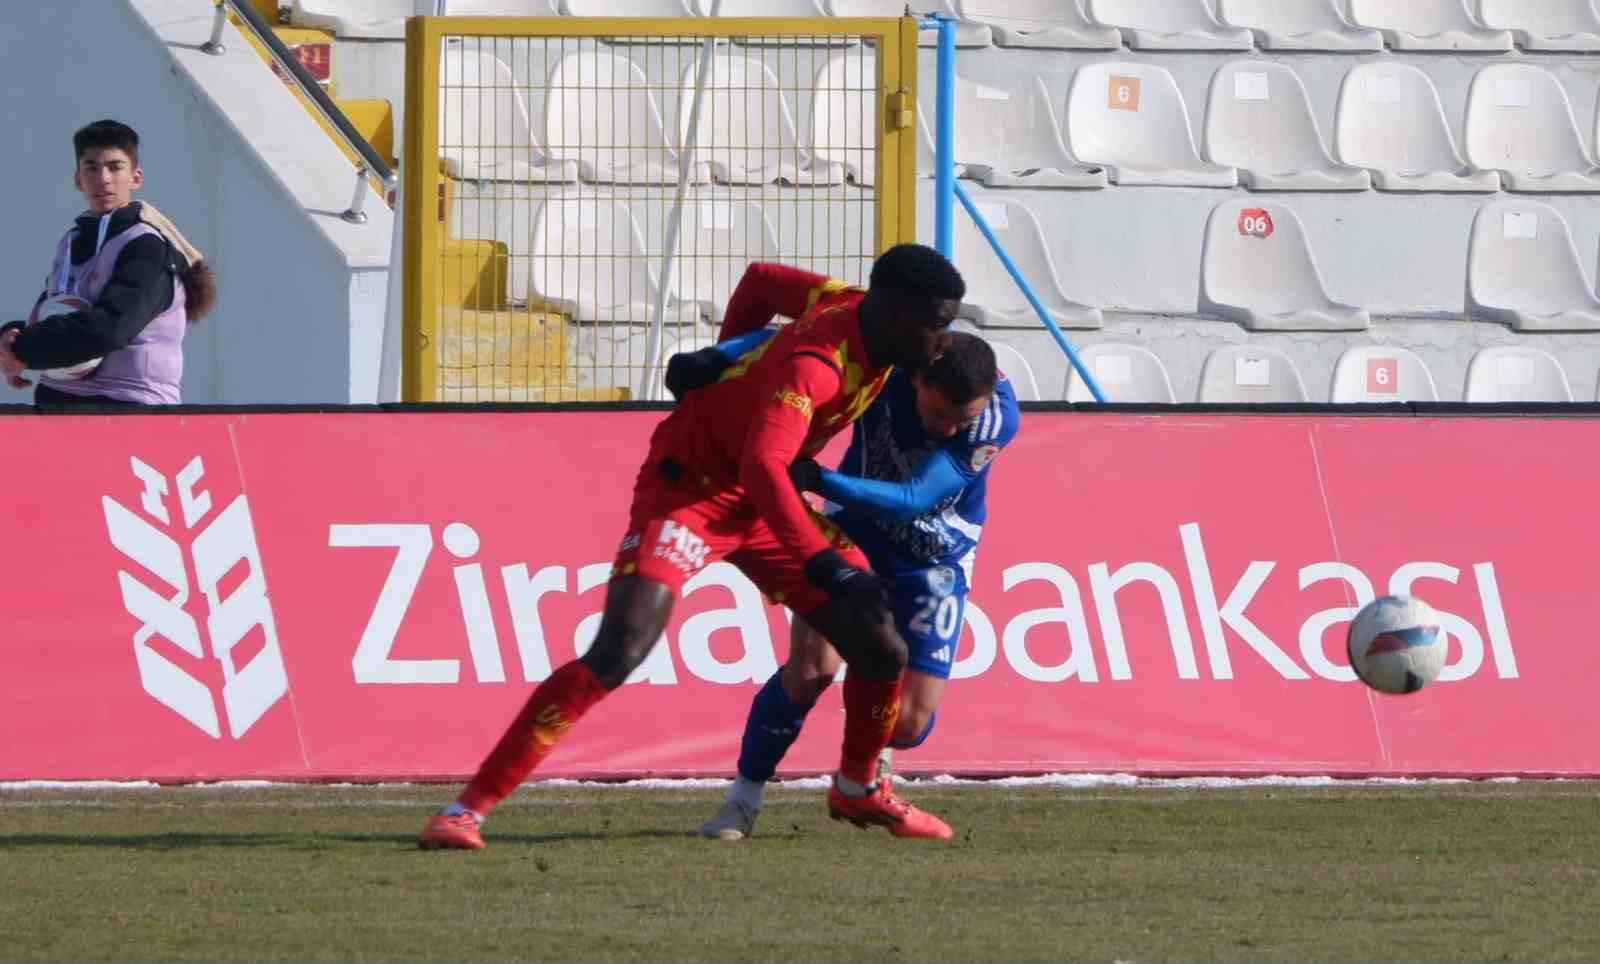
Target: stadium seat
(1514,373)
(844,113)
(1251,374)
(1554,25)
(1259,120)
(360,19)
(1016,369)
(483,124)
(717,238)
(1298,25)
(1169,25)
(761,8)
(746,129)
(1523,269)
(1390,121)
(589,260)
(1059,24)
(1382,373)
(993,298)
(1429,25)
(1131,119)
(1007,139)
(1125,373)
(1520,123)
(967,34)
(1257,268)
(598,111)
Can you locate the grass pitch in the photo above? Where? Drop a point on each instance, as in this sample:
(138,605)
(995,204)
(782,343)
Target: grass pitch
(1417,871)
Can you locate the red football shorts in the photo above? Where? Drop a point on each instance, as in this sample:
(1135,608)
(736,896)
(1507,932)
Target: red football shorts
(680,523)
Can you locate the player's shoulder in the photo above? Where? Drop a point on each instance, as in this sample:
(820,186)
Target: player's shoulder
(1001,418)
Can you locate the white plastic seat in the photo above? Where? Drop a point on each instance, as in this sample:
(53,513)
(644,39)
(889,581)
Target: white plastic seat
(1391,121)
(1381,373)
(1514,373)
(626,8)
(362,19)
(844,115)
(967,34)
(1298,25)
(1250,373)
(1169,25)
(1545,24)
(589,260)
(1259,120)
(1125,373)
(1131,119)
(718,237)
(1258,269)
(762,8)
(746,130)
(1006,139)
(993,298)
(1057,24)
(1429,25)
(483,124)
(598,111)
(1520,123)
(1523,269)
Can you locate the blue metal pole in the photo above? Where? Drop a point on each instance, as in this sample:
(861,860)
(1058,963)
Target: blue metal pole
(1027,292)
(944,129)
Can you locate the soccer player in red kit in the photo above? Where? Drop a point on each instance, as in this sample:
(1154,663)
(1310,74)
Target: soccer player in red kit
(716,485)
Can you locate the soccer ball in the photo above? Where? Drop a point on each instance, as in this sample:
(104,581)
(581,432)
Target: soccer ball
(1395,644)
(63,305)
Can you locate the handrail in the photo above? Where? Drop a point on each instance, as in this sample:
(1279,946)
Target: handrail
(371,163)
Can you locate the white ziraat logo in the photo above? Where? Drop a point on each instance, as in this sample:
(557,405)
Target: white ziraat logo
(223,548)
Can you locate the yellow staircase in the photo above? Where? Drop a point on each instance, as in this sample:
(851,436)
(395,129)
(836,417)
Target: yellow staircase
(489,350)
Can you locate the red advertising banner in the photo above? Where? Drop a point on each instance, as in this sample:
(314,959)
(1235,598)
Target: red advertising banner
(372,596)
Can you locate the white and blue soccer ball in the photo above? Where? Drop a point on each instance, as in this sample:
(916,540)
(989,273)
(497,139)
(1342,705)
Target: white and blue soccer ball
(1396,645)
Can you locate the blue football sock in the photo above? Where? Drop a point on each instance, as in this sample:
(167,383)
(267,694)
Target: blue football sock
(772,727)
(921,737)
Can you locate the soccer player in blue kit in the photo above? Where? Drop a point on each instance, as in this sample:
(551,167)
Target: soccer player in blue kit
(910,492)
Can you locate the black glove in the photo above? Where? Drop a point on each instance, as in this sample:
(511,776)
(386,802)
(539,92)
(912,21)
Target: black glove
(687,371)
(806,475)
(828,571)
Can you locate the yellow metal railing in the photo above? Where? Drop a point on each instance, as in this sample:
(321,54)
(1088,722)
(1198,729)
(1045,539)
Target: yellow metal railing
(581,194)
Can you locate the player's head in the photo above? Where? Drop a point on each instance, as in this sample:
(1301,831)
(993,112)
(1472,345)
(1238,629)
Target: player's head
(912,297)
(107,171)
(953,391)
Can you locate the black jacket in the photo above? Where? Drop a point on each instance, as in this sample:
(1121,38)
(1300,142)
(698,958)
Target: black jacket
(141,287)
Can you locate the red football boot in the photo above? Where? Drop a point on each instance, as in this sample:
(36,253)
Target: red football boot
(883,808)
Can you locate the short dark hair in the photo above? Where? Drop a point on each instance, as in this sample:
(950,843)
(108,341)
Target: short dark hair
(917,271)
(965,371)
(104,134)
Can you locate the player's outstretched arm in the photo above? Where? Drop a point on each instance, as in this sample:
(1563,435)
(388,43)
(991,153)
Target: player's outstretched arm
(936,478)
(687,371)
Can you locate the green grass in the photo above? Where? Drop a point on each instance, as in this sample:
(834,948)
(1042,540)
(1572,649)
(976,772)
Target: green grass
(1418,871)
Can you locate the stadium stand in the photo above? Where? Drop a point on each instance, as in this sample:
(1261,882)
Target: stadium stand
(1547,25)
(1169,25)
(1049,24)
(1390,121)
(967,34)
(993,299)
(744,105)
(1125,373)
(718,236)
(1520,123)
(1523,269)
(1429,25)
(1516,373)
(1282,25)
(1381,373)
(1251,374)
(486,136)
(1012,139)
(1131,118)
(1259,120)
(600,113)
(1258,270)
(363,19)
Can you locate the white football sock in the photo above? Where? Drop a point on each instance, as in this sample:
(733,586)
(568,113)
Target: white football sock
(455,808)
(747,792)
(851,788)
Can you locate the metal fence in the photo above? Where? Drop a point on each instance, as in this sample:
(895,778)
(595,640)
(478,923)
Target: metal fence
(581,195)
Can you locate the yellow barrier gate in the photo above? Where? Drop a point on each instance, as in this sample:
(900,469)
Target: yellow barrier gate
(582,194)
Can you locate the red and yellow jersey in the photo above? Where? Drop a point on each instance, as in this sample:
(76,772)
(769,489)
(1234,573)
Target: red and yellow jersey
(783,399)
